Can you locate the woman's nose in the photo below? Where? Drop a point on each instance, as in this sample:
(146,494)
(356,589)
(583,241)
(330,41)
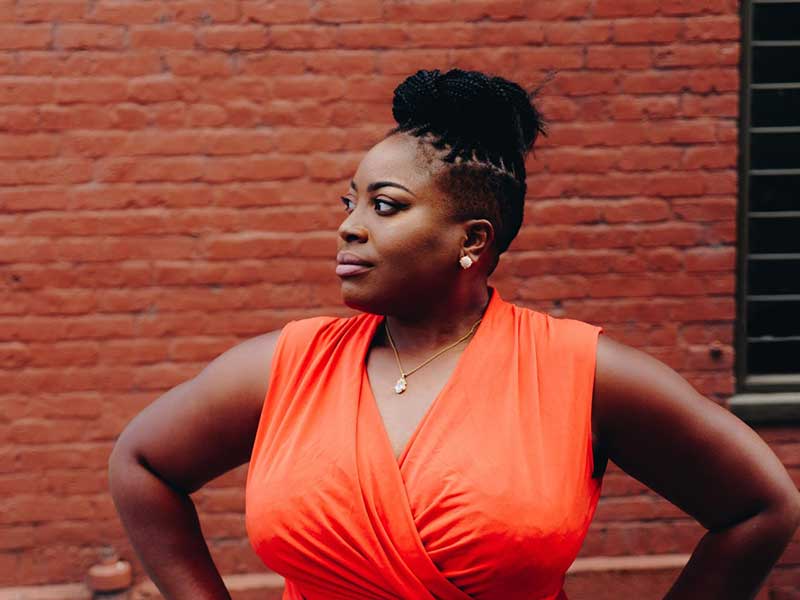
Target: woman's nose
(352,232)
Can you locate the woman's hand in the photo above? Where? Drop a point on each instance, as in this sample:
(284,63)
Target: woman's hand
(659,429)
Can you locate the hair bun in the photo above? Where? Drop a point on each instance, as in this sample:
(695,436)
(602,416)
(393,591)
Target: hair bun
(468,110)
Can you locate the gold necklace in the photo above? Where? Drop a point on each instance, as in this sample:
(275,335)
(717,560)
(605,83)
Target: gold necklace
(401,384)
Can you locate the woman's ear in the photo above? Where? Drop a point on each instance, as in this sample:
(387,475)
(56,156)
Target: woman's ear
(478,238)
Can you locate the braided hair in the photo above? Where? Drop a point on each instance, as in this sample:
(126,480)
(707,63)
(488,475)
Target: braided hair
(480,127)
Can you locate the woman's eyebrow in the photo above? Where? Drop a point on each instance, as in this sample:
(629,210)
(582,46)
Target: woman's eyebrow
(379,184)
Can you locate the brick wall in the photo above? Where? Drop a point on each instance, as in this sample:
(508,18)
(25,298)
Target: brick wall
(169,182)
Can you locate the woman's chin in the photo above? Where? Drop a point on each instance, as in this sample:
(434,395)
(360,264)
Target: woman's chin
(357,296)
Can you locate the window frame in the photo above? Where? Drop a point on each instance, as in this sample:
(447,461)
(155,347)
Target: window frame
(758,398)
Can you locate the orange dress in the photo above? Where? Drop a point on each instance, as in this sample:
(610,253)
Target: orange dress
(491,498)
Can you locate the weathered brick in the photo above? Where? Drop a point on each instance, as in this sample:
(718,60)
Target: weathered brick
(25,37)
(153,156)
(77,37)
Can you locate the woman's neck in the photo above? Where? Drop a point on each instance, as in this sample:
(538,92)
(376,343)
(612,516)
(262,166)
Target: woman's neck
(440,324)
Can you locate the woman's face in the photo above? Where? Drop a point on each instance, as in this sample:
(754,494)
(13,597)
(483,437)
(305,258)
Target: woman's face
(398,228)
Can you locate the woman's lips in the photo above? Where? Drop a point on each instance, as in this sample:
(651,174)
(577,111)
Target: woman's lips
(346,270)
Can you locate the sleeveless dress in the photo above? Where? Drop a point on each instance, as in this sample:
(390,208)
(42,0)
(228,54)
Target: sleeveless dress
(491,498)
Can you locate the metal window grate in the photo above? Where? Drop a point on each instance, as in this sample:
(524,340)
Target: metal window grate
(768,323)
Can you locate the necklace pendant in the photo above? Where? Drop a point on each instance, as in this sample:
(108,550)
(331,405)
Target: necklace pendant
(400,386)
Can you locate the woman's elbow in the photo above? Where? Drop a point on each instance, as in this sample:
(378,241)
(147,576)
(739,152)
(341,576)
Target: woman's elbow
(784,513)
(122,466)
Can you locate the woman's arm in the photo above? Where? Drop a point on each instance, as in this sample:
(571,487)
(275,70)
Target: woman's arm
(195,432)
(659,429)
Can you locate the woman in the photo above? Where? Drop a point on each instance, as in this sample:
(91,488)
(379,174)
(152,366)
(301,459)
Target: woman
(443,443)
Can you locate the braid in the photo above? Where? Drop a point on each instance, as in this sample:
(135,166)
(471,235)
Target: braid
(483,126)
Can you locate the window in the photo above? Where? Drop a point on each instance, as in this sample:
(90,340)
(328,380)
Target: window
(768,306)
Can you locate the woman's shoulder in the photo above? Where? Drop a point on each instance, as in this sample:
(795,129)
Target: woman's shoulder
(309,333)
(555,327)
(311,326)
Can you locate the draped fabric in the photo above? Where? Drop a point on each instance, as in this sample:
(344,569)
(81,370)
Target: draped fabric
(490,499)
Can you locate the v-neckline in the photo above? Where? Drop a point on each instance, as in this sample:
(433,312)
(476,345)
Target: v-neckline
(367,385)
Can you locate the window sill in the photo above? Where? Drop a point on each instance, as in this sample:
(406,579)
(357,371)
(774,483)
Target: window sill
(775,407)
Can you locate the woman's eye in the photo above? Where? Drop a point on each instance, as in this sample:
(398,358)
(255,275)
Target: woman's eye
(383,207)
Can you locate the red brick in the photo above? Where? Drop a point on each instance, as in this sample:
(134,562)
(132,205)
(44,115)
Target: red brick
(559,109)
(109,64)
(727,132)
(402,63)
(93,90)
(203,11)
(711,259)
(263,168)
(718,105)
(713,157)
(61,171)
(725,28)
(637,211)
(25,90)
(346,11)
(27,146)
(450,35)
(77,37)
(180,37)
(302,37)
(649,158)
(61,11)
(566,160)
(595,237)
(582,32)
(496,10)
(670,234)
(161,169)
(276,11)
(25,37)
(614,57)
(353,62)
(625,8)
(128,13)
(206,65)
(543,58)
(552,11)
(720,182)
(322,87)
(677,184)
(508,34)
(583,84)
(61,118)
(233,37)
(629,108)
(690,7)
(707,209)
(682,132)
(697,55)
(715,80)
(563,212)
(222,89)
(638,31)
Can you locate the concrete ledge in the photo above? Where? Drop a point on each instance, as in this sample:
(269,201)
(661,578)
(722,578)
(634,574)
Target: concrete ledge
(69,591)
(776,407)
(269,586)
(256,586)
(653,562)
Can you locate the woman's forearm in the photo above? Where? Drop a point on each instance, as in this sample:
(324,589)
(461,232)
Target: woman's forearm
(163,527)
(732,563)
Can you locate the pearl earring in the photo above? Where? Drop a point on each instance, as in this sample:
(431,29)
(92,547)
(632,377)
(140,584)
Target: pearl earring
(465,262)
